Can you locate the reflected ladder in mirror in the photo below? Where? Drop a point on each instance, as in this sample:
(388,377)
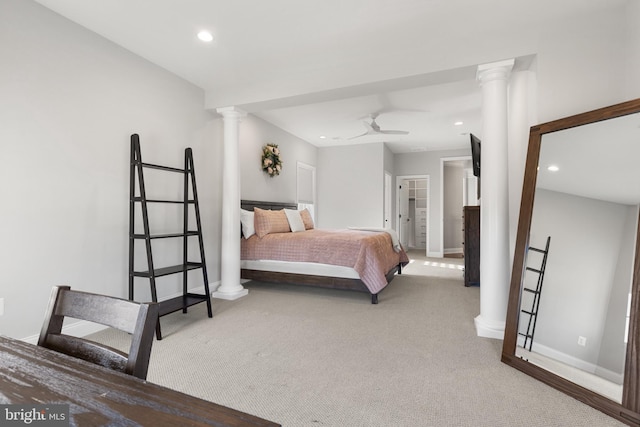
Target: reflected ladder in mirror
(533,313)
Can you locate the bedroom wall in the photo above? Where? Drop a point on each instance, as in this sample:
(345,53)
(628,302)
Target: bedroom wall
(612,351)
(632,49)
(70,101)
(581,63)
(428,163)
(254,183)
(351,186)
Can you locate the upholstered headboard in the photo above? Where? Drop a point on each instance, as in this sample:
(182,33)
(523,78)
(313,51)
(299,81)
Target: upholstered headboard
(250,204)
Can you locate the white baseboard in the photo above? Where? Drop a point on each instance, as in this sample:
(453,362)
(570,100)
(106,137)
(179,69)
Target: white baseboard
(453,251)
(489,328)
(82,328)
(574,361)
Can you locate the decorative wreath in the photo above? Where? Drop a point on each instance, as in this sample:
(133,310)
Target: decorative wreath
(271,162)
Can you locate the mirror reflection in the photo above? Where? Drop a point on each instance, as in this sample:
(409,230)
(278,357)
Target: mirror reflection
(586,203)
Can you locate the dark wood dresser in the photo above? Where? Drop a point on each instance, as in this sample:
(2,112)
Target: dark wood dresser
(471,245)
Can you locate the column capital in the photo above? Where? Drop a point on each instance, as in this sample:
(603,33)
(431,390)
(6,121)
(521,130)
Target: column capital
(494,71)
(231,112)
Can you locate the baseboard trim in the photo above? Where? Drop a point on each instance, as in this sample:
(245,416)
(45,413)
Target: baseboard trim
(489,329)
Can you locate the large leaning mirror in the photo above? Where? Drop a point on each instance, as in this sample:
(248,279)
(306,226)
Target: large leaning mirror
(572,319)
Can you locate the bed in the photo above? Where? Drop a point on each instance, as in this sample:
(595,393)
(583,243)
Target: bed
(364,260)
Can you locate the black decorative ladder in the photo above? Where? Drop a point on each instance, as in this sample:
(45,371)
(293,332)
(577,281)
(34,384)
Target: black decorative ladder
(187,299)
(535,304)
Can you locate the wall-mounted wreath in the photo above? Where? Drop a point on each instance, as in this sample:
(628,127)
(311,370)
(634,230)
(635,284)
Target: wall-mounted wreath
(271,162)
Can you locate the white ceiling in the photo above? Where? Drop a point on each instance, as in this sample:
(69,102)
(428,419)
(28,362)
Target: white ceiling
(319,67)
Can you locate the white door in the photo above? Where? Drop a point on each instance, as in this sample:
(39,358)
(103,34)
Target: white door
(387,200)
(404,219)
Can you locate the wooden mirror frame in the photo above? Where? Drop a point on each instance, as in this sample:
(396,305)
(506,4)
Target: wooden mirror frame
(629,410)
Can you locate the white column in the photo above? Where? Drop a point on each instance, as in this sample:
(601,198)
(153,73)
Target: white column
(494,201)
(522,115)
(230,287)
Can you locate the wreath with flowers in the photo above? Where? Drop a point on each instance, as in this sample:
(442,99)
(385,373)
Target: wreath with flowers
(271,163)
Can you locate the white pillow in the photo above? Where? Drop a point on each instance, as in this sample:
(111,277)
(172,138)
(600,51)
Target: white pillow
(246,219)
(295,220)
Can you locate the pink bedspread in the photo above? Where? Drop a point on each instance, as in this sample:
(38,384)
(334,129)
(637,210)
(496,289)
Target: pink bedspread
(369,253)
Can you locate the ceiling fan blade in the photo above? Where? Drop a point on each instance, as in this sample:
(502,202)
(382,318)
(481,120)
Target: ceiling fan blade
(395,132)
(358,136)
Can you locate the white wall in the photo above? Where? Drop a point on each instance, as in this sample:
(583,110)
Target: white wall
(351,186)
(581,63)
(632,50)
(69,102)
(612,350)
(255,184)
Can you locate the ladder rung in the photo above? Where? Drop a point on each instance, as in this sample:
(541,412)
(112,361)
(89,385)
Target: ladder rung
(525,335)
(529,313)
(166,236)
(542,251)
(139,199)
(164,168)
(534,270)
(533,291)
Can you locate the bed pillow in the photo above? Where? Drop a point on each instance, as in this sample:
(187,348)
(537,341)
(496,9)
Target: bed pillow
(295,220)
(246,219)
(306,219)
(267,221)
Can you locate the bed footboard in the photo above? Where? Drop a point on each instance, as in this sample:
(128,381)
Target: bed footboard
(318,281)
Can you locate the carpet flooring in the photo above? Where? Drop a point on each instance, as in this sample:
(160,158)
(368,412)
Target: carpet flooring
(303,356)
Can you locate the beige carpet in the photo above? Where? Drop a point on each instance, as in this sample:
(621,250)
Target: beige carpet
(315,357)
(420,265)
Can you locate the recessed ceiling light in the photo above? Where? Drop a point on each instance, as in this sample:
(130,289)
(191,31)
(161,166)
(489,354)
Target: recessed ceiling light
(205,36)
(458,123)
(322,137)
(553,168)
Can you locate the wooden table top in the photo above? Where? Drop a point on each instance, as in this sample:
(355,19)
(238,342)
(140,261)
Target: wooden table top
(98,396)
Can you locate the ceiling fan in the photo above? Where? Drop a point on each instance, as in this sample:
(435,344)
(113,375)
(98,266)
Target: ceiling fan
(374,129)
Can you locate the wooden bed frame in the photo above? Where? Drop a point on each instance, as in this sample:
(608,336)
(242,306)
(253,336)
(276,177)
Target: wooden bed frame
(306,279)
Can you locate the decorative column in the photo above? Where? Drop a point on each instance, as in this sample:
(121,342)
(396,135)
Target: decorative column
(522,115)
(494,200)
(230,287)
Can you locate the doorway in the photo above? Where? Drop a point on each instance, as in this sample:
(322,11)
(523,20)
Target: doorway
(458,189)
(412,203)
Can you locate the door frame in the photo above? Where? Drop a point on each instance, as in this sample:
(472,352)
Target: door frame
(399,179)
(442,162)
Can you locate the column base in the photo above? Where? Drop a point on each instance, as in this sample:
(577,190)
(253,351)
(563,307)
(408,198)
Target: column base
(489,328)
(231,295)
